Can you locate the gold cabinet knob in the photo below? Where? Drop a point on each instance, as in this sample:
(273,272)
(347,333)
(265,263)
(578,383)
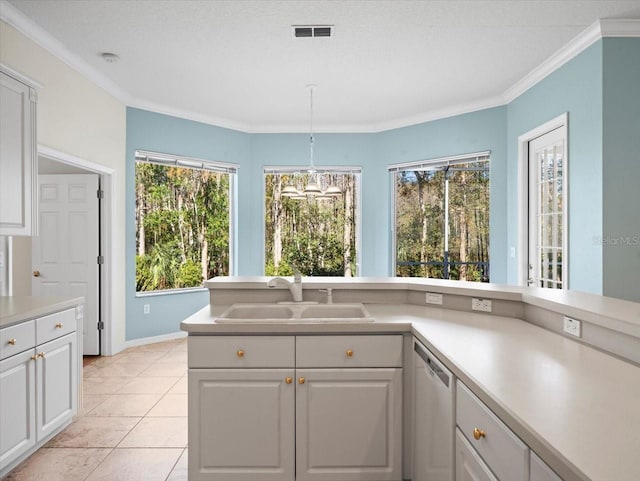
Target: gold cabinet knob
(41,354)
(288,380)
(478,433)
(59,325)
(240,353)
(12,342)
(36,273)
(349,353)
(301,380)
(34,357)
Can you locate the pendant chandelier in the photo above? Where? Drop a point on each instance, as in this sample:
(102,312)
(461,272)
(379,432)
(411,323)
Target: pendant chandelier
(313,188)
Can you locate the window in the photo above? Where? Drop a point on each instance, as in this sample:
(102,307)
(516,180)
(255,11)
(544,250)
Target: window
(183,221)
(441,225)
(319,235)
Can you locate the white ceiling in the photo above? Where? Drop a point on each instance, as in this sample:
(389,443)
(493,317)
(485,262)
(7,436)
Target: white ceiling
(389,63)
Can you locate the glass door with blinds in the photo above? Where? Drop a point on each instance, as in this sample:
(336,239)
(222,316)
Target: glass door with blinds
(547,263)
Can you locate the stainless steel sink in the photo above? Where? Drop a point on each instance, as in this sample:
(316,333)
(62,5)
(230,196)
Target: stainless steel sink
(295,313)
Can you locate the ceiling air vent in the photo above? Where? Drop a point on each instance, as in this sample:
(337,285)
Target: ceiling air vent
(308,31)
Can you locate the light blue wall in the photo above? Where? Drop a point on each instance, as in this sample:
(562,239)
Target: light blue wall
(621,176)
(467,133)
(162,133)
(576,88)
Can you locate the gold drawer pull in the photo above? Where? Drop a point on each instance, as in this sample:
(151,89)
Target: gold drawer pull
(349,352)
(59,325)
(478,433)
(240,353)
(301,380)
(12,342)
(288,380)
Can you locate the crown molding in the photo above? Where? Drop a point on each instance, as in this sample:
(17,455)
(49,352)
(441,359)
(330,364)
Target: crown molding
(14,17)
(599,29)
(620,27)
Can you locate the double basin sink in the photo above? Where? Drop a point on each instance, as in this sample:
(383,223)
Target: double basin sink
(295,313)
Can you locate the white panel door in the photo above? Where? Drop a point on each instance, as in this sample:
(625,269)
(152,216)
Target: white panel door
(65,253)
(548,210)
(241,425)
(57,383)
(17,406)
(349,424)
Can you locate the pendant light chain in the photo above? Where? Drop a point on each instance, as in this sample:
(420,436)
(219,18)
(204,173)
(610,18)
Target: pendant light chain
(312,171)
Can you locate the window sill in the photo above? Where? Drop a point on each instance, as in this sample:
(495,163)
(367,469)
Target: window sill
(186,290)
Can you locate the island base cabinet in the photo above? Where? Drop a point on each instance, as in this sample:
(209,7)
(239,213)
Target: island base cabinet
(469,465)
(241,424)
(18,402)
(57,382)
(349,424)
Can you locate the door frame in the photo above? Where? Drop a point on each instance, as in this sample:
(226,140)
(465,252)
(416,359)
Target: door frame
(106,236)
(561,121)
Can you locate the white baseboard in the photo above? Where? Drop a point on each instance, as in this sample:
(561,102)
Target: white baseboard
(150,340)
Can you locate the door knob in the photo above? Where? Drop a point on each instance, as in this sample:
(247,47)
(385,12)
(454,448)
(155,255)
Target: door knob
(36,273)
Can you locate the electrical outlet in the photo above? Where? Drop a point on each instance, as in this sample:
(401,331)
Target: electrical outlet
(147,309)
(572,326)
(483,305)
(434,298)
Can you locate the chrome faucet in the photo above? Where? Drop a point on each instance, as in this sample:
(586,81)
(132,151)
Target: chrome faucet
(295,287)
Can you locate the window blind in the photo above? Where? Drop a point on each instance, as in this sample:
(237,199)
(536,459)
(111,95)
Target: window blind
(441,162)
(186,162)
(338,169)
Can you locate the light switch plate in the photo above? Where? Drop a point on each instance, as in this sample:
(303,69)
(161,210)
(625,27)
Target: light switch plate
(483,305)
(147,309)
(434,298)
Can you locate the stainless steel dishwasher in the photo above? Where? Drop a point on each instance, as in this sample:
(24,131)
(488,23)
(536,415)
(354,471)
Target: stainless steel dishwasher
(434,426)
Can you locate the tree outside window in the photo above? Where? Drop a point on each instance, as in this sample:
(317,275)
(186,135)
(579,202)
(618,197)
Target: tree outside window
(182,225)
(317,235)
(442,219)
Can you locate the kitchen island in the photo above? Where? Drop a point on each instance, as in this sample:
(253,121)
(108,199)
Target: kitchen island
(573,405)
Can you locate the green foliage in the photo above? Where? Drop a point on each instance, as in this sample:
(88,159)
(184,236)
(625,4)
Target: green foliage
(182,226)
(317,235)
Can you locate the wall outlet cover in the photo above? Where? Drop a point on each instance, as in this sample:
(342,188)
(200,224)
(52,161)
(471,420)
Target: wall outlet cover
(572,326)
(147,308)
(434,298)
(482,305)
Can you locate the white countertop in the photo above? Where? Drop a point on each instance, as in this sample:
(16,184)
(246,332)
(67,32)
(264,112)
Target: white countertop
(15,309)
(577,407)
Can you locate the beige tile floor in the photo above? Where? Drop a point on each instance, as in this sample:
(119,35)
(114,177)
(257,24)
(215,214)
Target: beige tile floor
(133,424)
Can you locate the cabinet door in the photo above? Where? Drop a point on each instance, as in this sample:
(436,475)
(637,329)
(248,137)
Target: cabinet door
(469,465)
(540,471)
(241,424)
(17,406)
(17,157)
(57,384)
(349,424)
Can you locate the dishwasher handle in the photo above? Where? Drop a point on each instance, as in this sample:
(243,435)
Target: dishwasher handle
(432,365)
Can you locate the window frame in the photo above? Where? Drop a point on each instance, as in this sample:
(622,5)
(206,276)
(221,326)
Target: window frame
(426,164)
(338,169)
(171,160)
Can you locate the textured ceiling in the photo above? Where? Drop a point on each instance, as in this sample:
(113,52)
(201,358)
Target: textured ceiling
(389,63)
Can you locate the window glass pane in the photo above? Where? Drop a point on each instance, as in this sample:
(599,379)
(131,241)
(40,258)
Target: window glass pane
(316,234)
(426,200)
(182,226)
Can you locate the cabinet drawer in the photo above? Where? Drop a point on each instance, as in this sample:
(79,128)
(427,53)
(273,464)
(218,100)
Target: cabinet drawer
(241,351)
(349,351)
(17,338)
(505,454)
(55,325)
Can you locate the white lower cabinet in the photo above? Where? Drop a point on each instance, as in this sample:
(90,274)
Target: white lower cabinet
(540,471)
(38,386)
(349,424)
(254,416)
(17,406)
(469,464)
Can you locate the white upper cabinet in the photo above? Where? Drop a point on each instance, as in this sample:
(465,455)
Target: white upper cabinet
(18,157)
